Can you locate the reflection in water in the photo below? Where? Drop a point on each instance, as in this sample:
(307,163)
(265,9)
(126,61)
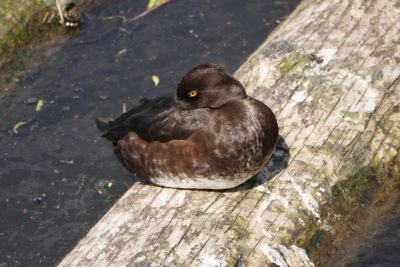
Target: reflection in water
(57,177)
(376,246)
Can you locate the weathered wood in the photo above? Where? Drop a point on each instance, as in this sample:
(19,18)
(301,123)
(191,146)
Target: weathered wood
(331,74)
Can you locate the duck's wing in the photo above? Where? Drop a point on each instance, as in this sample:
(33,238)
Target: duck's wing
(153,120)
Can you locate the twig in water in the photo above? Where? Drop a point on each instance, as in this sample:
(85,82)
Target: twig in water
(60,13)
(45,17)
(144,13)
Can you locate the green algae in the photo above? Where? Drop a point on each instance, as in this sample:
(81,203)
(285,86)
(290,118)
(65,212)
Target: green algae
(293,62)
(348,204)
(21,23)
(25,25)
(239,227)
(352,115)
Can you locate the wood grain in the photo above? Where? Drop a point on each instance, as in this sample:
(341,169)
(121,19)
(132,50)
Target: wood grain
(331,73)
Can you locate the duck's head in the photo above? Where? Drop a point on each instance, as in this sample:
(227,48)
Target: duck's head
(208,86)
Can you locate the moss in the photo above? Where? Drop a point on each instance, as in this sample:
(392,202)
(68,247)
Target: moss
(246,84)
(364,188)
(304,226)
(254,194)
(352,115)
(327,149)
(25,23)
(18,25)
(314,88)
(377,76)
(293,62)
(240,227)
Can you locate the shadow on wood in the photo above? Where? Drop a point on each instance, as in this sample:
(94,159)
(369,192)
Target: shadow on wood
(276,164)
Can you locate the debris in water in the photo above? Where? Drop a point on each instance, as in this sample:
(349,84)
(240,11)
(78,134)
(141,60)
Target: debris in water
(102,187)
(152,5)
(45,17)
(68,13)
(17,125)
(39,199)
(67,161)
(156,80)
(31,100)
(39,105)
(121,52)
(155,3)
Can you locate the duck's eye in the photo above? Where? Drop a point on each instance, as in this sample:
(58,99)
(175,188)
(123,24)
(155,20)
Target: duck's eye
(192,93)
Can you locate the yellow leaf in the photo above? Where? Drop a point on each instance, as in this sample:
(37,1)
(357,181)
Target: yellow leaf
(17,125)
(155,3)
(156,80)
(39,105)
(121,52)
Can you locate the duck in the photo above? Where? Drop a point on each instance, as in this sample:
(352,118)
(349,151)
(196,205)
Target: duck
(208,135)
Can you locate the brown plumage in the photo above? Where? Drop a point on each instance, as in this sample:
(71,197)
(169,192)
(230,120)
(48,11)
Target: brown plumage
(210,135)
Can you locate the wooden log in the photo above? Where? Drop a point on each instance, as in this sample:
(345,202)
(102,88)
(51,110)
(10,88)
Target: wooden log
(331,74)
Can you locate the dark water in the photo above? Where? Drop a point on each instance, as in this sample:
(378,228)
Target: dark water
(57,178)
(379,245)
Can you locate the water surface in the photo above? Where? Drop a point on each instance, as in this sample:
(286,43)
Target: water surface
(57,178)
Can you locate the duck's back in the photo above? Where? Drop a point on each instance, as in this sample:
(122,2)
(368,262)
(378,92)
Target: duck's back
(159,119)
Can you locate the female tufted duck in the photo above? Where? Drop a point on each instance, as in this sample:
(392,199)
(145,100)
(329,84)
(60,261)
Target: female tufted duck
(210,135)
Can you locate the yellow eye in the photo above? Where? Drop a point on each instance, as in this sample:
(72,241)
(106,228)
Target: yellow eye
(192,93)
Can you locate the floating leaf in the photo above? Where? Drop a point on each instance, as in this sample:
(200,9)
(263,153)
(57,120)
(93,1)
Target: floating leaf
(155,3)
(121,52)
(17,125)
(39,105)
(66,161)
(156,80)
(102,187)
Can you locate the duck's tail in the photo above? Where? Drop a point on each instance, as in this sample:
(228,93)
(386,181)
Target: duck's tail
(111,130)
(102,124)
